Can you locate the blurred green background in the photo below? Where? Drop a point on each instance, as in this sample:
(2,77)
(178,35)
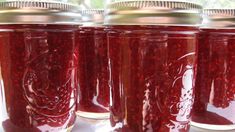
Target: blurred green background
(88,3)
(206,3)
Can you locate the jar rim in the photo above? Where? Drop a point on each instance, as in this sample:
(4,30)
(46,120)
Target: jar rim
(218,18)
(38,12)
(92,17)
(153,12)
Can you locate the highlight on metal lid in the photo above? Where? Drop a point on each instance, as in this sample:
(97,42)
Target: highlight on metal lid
(92,17)
(38,12)
(153,12)
(219,18)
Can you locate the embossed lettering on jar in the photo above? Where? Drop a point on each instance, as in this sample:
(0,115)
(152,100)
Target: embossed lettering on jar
(37,67)
(215,87)
(152,64)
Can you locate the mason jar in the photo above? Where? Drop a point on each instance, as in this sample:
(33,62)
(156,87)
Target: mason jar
(93,73)
(152,50)
(214,106)
(38,66)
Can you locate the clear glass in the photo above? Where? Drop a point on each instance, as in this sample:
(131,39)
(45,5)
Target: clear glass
(38,75)
(93,73)
(214,106)
(152,78)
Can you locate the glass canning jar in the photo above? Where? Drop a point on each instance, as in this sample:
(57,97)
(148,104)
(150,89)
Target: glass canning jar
(152,50)
(38,66)
(214,106)
(93,74)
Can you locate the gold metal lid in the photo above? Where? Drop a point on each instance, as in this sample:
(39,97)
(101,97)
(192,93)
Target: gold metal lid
(92,17)
(153,12)
(219,18)
(38,12)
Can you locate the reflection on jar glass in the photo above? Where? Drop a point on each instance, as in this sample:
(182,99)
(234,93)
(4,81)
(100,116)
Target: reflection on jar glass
(38,67)
(93,73)
(215,92)
(152,64)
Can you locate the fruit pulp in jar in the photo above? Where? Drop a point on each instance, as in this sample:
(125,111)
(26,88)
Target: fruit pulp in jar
(152,72)
(93,74)
(38,77)
(215,84)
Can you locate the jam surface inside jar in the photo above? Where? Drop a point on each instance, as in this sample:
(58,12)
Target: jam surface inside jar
(93,73)
(152,72)
(38,67)
(215,87)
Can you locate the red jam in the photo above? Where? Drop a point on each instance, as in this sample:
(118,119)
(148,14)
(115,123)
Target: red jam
(215,87)
(38,74)
(152,77)
(93,73)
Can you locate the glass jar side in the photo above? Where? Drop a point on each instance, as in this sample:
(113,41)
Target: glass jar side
(38,77)
(152,72)
(215,91)
(93,73)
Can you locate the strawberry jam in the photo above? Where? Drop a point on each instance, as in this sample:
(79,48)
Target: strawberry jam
(38,66)
(214,106)
(152,61)
(152,77)
(38,77)
(93,73)
(215,87)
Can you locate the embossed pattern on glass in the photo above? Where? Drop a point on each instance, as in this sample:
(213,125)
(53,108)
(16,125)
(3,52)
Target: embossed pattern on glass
(38,77)
(152,77)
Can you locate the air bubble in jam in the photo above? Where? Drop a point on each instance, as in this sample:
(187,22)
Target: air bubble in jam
(152,72)
(39,74)
(215,89)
